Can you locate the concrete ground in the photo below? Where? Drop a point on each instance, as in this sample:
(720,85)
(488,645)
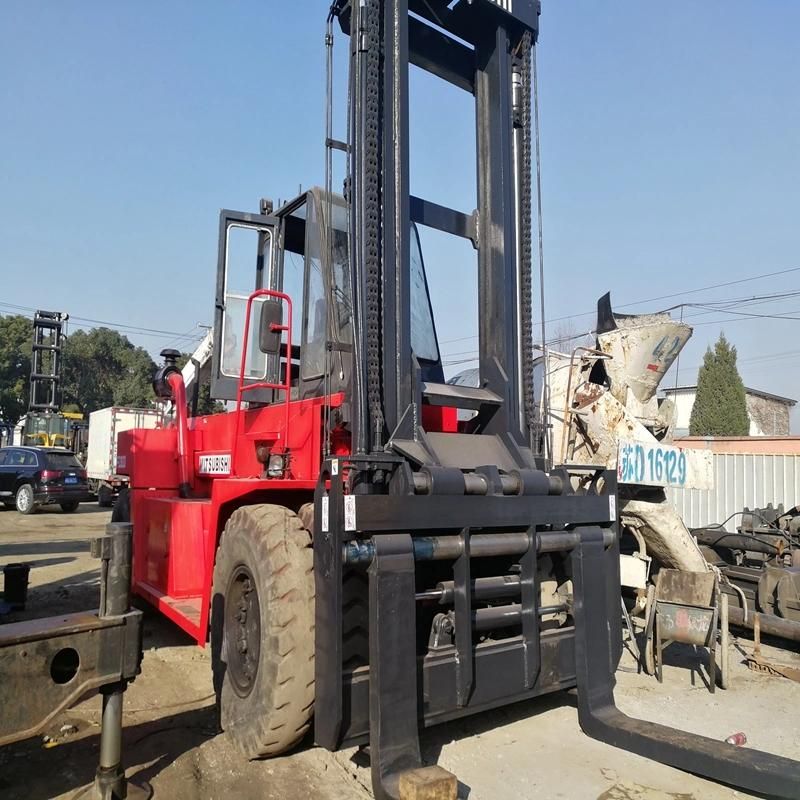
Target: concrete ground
(531,750)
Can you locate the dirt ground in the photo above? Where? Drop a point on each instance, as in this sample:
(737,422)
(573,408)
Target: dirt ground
(531,750)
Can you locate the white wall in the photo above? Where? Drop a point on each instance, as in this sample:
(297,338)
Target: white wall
(684,402)
(753,480)
(683,409)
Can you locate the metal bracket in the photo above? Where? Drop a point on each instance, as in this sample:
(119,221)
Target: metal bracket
(49,665)
(463,612)
(529,602)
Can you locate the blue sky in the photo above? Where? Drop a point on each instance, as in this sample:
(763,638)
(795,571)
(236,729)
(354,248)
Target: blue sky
(670,137)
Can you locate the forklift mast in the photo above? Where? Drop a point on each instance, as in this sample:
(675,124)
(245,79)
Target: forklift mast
(44,424)
(45,386)
(483,48)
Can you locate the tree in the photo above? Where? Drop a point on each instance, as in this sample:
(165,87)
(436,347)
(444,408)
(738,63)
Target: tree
(720,406)
(205,405)
(102,368)
(16,335)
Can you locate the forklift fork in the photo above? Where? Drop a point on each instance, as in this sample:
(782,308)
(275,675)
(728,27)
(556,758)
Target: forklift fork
(393,726)
(600,718)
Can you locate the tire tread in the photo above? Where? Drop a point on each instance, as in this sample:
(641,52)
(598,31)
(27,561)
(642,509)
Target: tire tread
(281,549)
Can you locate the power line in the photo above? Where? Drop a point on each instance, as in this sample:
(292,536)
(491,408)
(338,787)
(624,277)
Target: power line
(133,328)
(711,307)
(766,360)
(751,314)
(192,334)
(655,299)
(120,326)
(744,316)
(721,305)
(688,291)
(459,361)
(754,299)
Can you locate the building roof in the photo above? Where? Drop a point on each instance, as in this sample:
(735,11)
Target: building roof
(757,392)
(767,445)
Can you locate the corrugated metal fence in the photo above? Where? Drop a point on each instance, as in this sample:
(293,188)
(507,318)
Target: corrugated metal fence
(740,479)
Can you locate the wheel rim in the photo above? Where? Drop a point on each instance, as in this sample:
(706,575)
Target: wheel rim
(24,499)
(242,630)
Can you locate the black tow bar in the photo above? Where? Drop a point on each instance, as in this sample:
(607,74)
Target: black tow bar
(115,551)
(600,718)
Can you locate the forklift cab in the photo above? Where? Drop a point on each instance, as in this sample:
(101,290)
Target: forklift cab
(301,251)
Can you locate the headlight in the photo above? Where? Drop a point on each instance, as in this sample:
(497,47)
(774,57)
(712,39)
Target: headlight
(276,465)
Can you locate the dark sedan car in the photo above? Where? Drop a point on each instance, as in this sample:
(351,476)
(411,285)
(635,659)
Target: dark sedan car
(31,477)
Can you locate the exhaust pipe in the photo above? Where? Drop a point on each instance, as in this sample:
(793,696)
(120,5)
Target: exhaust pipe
(168,385)
(184,457)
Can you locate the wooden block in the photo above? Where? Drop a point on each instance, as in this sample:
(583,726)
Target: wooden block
(428,783)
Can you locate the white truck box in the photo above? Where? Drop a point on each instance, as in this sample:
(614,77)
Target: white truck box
(104,427)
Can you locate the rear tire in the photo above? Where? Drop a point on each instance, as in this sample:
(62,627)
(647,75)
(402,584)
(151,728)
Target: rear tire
(69,508)
(24,500)
(105,496)
(122,508)
(262,629)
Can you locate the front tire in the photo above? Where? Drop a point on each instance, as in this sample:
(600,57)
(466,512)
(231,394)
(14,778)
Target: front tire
(24,500)
(71,507)
(355,605)
(262,629)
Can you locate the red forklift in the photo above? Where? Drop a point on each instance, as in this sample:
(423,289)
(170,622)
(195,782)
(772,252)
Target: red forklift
(356,554)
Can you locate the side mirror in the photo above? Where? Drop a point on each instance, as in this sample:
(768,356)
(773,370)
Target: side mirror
(269,339)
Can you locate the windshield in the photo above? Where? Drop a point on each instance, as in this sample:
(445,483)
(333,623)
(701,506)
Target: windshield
(52,424)
(423,334)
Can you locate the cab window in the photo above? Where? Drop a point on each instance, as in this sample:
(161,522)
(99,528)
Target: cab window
(243,241)
(314,332)
(340,265)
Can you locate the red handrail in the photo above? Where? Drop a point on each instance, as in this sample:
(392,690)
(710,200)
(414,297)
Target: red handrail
(286,386)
